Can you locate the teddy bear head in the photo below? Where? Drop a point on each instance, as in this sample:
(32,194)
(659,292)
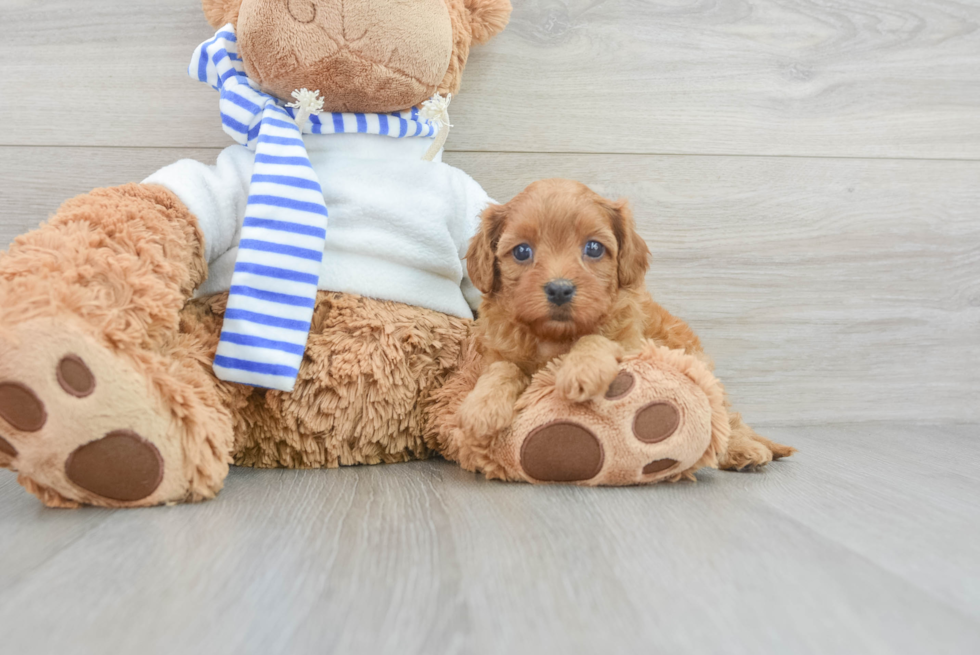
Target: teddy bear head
(361,55)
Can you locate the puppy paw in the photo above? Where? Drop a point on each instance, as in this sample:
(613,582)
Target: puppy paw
(778,450)
(745,455)
(579,380)
(482,416)
(749,450)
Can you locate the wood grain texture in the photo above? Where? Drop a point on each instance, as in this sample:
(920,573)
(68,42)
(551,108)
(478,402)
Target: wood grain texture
(827,290)
(788,77)
(845,548)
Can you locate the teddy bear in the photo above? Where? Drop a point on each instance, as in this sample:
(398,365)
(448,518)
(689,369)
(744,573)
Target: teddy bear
(304,302)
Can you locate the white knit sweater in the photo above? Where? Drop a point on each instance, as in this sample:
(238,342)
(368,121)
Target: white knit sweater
(398,227)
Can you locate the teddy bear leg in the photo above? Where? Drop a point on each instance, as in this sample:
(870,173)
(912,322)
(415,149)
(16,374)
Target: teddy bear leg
(102,400)
(662,418)
(369,370)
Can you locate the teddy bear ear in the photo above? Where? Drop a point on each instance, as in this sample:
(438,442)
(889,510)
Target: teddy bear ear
(221,12)
(487,18)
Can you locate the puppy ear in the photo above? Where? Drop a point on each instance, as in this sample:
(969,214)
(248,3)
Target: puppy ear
(634,255)
(481,258)
(221,12)
(487,18)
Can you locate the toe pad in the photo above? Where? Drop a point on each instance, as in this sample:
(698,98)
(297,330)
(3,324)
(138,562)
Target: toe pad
(120,466)
(658,465)
(655,422)
(621,386)
(75,377)
(562,451)
(21,407)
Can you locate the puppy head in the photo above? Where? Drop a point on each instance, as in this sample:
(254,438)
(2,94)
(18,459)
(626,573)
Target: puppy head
(556,256)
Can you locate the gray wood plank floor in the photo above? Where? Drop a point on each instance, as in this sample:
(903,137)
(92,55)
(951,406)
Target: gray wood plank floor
(807,173)
(845,548)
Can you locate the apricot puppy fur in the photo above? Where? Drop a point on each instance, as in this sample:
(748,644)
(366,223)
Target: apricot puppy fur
(562,271)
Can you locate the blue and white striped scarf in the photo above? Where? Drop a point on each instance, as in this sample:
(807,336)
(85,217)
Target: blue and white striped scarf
(274,284)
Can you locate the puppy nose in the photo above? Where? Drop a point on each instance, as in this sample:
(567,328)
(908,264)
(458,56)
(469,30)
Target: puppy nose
(559,292)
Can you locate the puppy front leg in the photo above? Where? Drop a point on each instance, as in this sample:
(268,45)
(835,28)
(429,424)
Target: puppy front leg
(589,368)
(489,408)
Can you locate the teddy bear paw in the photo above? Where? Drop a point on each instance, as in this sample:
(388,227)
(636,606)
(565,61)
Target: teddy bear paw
(79,425)
(653,423)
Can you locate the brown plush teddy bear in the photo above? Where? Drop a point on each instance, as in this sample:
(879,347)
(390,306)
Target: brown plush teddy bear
(118,367)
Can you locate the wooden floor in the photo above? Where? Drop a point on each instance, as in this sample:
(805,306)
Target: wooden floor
(807,173)
(865,543)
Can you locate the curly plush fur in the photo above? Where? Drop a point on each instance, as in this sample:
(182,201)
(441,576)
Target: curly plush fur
(369,370)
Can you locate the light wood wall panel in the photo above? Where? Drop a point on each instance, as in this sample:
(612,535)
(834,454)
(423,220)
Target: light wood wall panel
(784,77)
(826,289)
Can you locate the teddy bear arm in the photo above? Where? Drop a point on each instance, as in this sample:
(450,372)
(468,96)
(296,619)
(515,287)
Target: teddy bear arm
(113,238)
(216,195)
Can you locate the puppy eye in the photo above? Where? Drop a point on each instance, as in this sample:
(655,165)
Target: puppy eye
(523,252)
(594,250)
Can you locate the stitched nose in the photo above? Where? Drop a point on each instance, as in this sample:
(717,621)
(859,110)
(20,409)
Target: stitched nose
(559,292)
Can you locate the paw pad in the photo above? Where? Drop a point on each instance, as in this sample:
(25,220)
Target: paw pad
(562,451)
(655,422)
(75,377)
(21,408)
(621,386)
(120,466)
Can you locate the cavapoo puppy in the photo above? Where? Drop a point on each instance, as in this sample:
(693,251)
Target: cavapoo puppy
(562,272)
